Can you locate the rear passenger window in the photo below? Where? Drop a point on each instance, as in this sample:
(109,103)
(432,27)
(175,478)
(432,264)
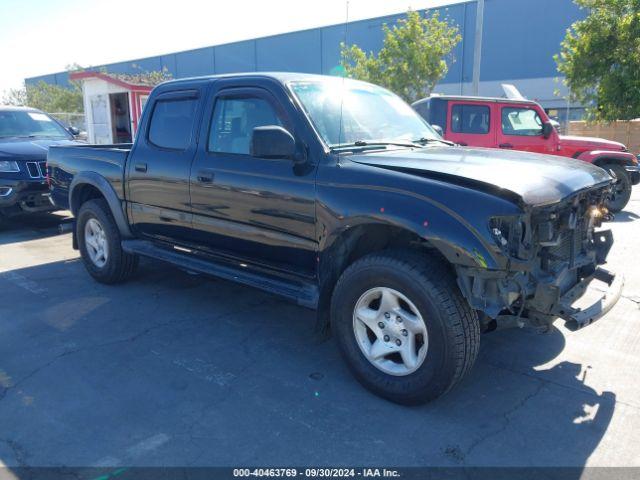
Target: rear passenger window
(470,119)
(234,120)
(172,123)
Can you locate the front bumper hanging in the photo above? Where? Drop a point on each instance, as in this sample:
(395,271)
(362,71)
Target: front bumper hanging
(600,291)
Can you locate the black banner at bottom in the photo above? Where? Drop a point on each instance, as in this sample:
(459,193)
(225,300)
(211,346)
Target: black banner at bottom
(405,473)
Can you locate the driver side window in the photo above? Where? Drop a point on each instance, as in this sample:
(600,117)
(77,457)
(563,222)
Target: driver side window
(521,121)
(234,120)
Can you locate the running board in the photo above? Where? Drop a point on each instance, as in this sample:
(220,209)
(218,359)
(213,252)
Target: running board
(302,293)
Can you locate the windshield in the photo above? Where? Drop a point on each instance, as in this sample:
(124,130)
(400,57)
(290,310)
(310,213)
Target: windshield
(369,113)
(21,123)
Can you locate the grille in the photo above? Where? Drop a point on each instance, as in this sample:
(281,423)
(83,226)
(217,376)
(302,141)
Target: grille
(37,169)
(32,168)
(567,250)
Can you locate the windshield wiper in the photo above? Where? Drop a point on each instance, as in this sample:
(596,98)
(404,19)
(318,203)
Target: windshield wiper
(425,140)
(370,144)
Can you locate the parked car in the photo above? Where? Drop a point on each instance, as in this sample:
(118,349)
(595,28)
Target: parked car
(335,194)
(519,124)
(25,136)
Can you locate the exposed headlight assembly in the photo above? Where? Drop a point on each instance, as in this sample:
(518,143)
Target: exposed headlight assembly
(9,166)
(508,233)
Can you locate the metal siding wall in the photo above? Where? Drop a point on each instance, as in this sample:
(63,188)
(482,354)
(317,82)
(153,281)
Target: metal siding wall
(193,63)
(51,78)
(520,37)
(456,15)
(366,34)
(62,79)
(169,62)
(298,51)
(236,57)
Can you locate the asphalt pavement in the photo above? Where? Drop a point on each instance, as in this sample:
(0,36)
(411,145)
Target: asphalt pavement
(175,369)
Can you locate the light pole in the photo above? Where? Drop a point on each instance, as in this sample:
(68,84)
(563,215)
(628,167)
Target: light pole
(477,47)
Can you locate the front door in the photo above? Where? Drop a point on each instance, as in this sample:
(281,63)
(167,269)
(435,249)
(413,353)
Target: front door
(160,164)
(254,210)
(521,129)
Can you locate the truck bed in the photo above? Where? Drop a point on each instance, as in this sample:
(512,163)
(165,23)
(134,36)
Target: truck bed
(65,161)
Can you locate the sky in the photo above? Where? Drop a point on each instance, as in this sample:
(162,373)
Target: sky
(44,36)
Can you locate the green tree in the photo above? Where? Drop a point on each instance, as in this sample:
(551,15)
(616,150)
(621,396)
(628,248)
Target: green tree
(55,98)
(413,58)
(600,59)
(47,97)
(141,76)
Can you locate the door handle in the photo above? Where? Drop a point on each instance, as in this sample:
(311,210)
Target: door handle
(205,176)
(141,167)
(505,145)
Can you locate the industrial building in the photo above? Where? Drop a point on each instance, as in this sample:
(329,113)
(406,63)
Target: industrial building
(519,39)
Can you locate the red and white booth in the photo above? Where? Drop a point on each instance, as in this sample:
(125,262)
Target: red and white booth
(112,106)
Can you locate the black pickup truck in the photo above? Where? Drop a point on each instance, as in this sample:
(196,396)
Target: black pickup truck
(335,194)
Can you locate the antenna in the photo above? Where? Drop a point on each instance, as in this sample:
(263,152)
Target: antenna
(346,26)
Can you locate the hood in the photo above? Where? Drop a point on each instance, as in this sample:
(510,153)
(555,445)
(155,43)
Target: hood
(591,143)
(535,178)
(29,149)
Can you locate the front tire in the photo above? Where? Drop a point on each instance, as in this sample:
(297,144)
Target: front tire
(99,244)
(403,326)
(622,189)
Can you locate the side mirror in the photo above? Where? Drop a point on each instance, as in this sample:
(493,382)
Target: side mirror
(547,129)
(438,130)
(73,131)
(272,141)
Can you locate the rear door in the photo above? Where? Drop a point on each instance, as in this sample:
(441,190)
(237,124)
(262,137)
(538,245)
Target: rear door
(521,129)
(471,123)
(257,211)
(160,164)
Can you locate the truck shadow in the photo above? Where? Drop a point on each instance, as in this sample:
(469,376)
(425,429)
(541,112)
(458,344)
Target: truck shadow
(232,366)
(625,216)
(31,227)
(554,419)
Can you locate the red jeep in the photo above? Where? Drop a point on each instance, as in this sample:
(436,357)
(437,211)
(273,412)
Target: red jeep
(521,124)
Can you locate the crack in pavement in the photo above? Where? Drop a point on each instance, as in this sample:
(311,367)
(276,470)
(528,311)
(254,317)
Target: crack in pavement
(635,299)
(130,339)
(506,416)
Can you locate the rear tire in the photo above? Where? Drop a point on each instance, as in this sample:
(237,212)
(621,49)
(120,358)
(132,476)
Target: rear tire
(429,287)
(621,190)
(99,244)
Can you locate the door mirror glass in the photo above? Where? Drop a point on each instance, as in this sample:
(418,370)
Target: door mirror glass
(272,141)
(547,129)
(73,131)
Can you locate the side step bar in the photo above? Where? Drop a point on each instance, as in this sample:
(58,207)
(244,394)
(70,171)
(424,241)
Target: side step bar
(304,294)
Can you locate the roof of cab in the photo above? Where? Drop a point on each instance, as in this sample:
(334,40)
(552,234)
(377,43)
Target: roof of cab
(278,76)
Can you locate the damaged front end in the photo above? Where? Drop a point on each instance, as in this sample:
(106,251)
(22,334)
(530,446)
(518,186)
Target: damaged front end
(552,270)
